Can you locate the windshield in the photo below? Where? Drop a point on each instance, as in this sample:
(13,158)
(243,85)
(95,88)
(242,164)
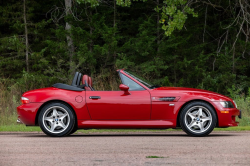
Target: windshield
(139,78)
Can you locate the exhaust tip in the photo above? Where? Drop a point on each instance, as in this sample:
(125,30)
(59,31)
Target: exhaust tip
(239,116)
(19,121)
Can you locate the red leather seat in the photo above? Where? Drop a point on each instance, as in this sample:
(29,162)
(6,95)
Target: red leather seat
(85,80)
(90,82)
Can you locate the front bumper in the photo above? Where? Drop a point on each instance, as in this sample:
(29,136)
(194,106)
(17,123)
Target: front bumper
(227,117)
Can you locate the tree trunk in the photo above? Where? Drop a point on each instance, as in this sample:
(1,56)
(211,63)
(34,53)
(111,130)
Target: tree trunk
(233,60)
(91,31)
(114,26)
(26,36)
(158,28)
(114,12)
(71,49)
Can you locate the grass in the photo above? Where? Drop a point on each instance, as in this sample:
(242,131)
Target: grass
(154,157)
(237,128)
(19,128)
(23,128)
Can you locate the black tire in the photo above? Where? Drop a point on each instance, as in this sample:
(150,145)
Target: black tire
(74,130)
(56,123)
(198,119)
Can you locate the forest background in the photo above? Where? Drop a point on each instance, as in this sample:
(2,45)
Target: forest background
(186,43)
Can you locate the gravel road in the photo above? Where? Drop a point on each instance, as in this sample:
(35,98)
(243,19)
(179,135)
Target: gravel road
(176,148)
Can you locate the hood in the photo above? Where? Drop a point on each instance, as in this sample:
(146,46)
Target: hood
(180,91)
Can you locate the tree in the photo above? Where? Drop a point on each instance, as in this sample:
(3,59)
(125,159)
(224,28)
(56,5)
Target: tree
(171,16)
(68,28)
(209,52)
(26,36)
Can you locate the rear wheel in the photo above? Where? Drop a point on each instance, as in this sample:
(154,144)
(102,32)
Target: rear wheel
(74,130)
(198,119)
(56,119)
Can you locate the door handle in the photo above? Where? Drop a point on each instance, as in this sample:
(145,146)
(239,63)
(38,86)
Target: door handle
(94,97)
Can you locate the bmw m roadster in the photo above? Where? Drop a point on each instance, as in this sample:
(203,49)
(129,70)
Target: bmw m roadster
(62,109)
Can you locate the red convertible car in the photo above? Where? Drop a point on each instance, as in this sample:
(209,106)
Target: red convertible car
(62,109)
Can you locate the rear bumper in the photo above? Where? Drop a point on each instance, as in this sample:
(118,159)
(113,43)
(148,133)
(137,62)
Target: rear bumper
(27,113)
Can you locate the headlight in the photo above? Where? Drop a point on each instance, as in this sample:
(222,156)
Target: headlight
(227,104)
(235,104)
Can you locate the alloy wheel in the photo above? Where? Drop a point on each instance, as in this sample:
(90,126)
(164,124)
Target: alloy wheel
(198,119)
(56,119)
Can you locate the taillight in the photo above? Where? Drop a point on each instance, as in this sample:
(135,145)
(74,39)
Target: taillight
(24,100)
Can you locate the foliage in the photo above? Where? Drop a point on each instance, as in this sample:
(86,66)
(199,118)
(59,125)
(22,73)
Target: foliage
(172,16)
(169,42)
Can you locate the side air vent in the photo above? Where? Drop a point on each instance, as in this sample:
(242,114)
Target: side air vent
(167,98)
(163,98)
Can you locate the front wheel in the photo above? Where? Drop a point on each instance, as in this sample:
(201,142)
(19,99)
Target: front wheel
(56,120)
(198,119)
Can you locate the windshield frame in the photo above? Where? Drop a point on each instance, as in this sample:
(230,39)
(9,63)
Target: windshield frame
(143,82)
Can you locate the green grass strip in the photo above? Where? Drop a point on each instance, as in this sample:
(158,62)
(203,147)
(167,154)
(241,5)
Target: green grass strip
(237,128)
(19,128)
(23,128)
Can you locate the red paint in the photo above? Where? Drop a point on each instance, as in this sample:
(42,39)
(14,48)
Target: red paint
(79,99)
(126,109)
(124,88)
(128,124)
(226,119)
(44,95)
(27,112)
(114,105)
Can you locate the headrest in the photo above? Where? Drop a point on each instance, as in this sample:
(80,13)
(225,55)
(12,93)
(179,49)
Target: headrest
(85,78)
(90,81)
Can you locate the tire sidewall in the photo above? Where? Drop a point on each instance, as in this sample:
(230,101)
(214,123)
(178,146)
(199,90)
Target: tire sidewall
(203,104)
(73,130)
(71,123)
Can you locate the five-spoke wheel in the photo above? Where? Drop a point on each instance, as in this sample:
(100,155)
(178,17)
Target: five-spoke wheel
(198,119)
(56,119)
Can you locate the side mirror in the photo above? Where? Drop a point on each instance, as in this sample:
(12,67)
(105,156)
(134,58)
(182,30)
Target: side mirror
(124,88)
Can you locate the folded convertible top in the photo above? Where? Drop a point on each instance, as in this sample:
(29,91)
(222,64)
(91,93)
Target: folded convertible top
(67,87)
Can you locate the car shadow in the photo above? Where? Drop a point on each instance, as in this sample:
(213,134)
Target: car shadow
(129,135)
(145,135)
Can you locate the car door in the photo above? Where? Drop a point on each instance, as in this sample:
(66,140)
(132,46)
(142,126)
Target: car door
(115,105)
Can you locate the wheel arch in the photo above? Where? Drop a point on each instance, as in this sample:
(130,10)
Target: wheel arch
(53,101)
(183,106)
